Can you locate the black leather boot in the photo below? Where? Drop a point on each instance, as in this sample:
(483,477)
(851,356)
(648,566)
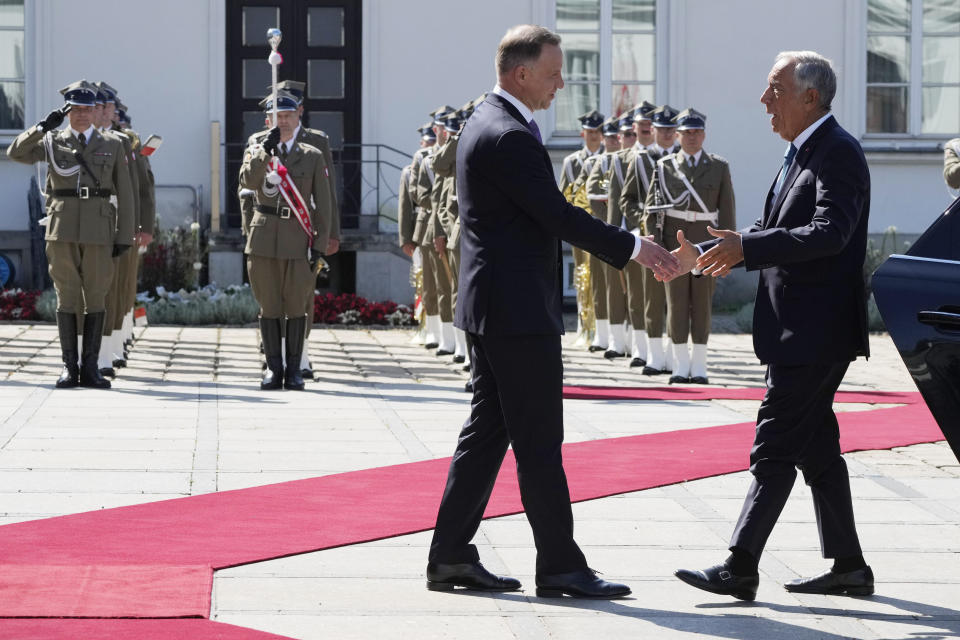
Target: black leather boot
(67,328)
(92,336)
(296,335)
(270,334)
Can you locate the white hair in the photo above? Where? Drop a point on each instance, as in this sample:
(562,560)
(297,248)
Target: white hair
(813,71)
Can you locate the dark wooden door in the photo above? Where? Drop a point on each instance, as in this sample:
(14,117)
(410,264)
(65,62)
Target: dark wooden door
(320,46)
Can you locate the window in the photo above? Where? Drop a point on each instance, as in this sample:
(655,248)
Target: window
(913,67)
(609,62)
(11,65)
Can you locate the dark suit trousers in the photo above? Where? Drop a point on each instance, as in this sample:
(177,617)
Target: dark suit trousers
(517,401)
(797,429)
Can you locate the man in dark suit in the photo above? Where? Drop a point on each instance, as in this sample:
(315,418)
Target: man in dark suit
(810,322)
(513,218)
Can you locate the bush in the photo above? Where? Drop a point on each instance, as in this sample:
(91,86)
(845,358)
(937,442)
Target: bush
(744,318)
(47,305)
(17,304)
(348,308)
(208,305)
(173,260)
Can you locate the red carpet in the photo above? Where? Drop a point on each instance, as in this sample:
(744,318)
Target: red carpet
(177,538)
(717,393)
(92,629)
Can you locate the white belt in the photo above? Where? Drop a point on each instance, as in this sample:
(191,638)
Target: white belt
(693,216)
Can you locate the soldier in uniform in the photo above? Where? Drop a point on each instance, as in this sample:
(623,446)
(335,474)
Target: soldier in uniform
(280,256)
(607,283)
(636,188)
(320,140)
(447,239)
(406,207)
(698,186)
(85,231)
(570,170)
(951,163)
(624,288)
(428,298)
(440,324)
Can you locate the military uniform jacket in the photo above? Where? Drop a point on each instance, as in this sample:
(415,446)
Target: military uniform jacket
(275,237)
(572,166)
(636,184)
(615,177)
(711,180)
(94,220)
(147,209)
(128,149)
(599,184)
(445,168)
(951,163)
(406,213)
(427,223)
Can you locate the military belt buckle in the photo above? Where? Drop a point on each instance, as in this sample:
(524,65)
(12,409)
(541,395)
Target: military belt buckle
(83,193)
(284,213)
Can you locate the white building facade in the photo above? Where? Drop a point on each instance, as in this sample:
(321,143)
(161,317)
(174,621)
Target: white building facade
(193,70)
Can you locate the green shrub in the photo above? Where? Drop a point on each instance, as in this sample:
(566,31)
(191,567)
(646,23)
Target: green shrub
(46,305)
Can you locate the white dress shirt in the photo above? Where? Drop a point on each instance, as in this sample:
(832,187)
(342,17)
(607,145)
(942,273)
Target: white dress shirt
(87,135)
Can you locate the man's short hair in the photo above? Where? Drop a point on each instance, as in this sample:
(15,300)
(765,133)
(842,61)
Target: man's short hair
(813,71)
(521,45)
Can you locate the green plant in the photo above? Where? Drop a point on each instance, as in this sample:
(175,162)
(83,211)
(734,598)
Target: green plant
(744,318)
(174,258)
(46,305)
(875,255)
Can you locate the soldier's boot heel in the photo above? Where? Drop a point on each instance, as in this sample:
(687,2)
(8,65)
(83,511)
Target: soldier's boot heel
(92,336)
(67,328)
(270,333)
(296,335)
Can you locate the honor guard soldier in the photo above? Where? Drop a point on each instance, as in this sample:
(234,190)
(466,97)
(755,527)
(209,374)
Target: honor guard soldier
(406,207)
(85,230)
(698,186)
(636,189)
(606,282)
(428,297)
(570,170)
(320,140)
(281,256)
(951,163)
(440,321)
(624,288)
(447,240)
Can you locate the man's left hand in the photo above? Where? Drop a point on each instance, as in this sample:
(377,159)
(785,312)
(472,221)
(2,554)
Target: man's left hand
(724,256)
(333,245)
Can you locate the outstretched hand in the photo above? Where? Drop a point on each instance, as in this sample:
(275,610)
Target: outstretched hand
(723,256)
(664,265)
(686,255)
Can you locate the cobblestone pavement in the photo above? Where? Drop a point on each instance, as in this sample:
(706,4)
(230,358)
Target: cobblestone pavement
(187,417)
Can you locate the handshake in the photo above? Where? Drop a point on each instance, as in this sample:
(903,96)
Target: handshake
(716,261)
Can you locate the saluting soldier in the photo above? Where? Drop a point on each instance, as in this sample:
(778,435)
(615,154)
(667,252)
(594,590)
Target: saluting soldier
(951,163)
(570,170)
(280,255)
(439,325)
(636,188)
(607,283)
(698,186)
(84,229)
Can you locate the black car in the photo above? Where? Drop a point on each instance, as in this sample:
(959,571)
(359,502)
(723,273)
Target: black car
(918,295)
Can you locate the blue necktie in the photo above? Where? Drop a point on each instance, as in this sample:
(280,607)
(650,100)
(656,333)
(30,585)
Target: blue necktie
(535,130)
(787,161)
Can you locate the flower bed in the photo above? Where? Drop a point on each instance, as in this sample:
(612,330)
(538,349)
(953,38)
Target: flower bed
(17,304)
(349,308)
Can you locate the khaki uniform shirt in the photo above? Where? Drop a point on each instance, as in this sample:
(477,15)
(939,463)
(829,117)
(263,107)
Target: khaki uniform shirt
(951,163)
(427,223)
(445,168)
(711,180)
(147,191)
(275,237)
(87,221)
(406,213)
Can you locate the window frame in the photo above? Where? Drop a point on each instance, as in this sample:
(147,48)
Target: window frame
(7,133)
(915,84)
(606,80)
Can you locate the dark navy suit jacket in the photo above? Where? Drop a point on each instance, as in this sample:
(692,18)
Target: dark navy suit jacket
(810,246)
(512,218)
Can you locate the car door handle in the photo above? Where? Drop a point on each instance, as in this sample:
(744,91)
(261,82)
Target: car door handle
(940,319)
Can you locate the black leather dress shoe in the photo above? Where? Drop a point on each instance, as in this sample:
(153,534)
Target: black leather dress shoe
(108,372)
(679,380)
(468,386)
(852,583)
(651,371)
(466,367)
(444,352)
(719,579)
(579,584)
(469,575)
(459,359)
(595,347)
(638,362)
(699,380)
(431,345)
(610,354)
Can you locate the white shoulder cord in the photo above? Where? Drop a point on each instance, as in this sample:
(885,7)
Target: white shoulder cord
(686,183)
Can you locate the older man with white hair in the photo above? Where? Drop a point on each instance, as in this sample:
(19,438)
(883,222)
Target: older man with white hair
(810,322)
